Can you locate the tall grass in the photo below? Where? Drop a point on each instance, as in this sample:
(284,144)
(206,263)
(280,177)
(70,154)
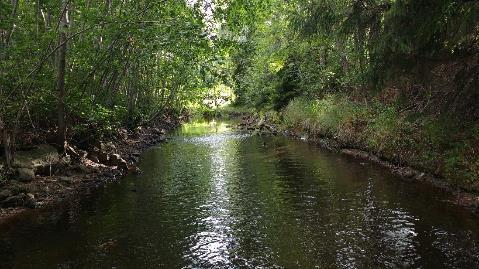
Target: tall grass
(423,142)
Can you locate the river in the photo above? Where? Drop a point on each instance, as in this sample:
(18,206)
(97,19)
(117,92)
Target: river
(215,198)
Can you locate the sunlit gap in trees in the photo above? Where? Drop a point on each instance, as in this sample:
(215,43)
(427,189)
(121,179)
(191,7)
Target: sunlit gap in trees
(202,126)
(207,9)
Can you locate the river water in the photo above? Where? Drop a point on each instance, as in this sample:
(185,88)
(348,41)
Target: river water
(215,198)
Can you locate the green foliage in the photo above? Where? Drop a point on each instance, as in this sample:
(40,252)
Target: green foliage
(339,45)
(201,112)
(125,62)
(129,61)
(232,111)
(388,133)
(398,78)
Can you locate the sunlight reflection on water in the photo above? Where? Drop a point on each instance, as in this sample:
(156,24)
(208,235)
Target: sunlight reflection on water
(215,198)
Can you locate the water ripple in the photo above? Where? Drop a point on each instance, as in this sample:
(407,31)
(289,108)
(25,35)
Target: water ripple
(213,198)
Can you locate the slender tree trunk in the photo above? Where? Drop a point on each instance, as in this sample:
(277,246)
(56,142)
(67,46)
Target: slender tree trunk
(61,135)
(14,14)
(6,144)
(37,16)
(131,99)
(341,50)
(110,102)
(5,134)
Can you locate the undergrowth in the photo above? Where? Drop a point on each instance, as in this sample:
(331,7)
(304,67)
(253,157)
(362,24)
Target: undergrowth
(439,146)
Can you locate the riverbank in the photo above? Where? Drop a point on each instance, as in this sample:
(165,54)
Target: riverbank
(78,169)
(408,148)
(211,189)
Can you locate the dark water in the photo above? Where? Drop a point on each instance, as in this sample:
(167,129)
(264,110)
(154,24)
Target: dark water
(213,198)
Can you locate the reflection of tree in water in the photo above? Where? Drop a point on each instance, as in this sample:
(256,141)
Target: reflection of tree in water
(346,229)
(212,198)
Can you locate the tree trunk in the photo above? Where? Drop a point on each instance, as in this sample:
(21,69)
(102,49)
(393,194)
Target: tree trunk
(37,16)
(14,14)
(5,135)
(6,144)
(61,135)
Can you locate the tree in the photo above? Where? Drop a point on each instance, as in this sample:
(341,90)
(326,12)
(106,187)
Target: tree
(62,43)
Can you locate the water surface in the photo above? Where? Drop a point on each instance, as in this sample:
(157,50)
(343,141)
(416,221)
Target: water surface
(215,198)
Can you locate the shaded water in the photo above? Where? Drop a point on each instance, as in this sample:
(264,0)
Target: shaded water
(214,198)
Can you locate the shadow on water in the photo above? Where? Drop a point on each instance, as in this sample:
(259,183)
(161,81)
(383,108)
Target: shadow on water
(215,198)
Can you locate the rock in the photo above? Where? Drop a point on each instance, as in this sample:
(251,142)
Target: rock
(87,169)
(122,134)
(17,188)
(108,147)
(117,172)
(103,157)
(94,158)
(118,161)
(74,152)
(134,170)
(70,172)
(26,174)
(108,174)
(41,159)
(37,157)
(408,173)
(4,194)
(134,159)
(71,151)
(14,201)
(82,153)
(66,159)
(30,201)
(67,180)
(88,179)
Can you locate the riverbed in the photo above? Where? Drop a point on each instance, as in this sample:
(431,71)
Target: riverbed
(213,197)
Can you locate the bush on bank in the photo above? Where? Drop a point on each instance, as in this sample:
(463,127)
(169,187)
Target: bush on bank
(438,146)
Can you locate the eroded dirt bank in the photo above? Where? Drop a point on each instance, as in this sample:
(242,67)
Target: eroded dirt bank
(69,174)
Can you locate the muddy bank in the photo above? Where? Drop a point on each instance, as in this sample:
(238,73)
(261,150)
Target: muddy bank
(462,197)
(78,169)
